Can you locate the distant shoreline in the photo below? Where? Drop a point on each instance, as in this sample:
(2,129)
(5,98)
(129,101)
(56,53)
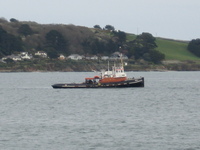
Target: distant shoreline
(42,71)
(84,66)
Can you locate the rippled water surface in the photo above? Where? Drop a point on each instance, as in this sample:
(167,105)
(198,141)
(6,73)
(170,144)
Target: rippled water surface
(164,115)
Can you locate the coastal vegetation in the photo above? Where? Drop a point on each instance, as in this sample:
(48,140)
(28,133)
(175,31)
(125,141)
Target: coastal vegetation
(194,47)
(144,51)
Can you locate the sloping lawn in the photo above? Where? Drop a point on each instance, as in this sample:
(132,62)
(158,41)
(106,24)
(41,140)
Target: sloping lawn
(175,50)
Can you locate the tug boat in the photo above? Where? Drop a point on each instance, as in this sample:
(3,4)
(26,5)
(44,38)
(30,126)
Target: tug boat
(116,78)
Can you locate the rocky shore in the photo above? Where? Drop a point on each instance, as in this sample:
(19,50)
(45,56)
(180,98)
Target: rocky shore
(85,66)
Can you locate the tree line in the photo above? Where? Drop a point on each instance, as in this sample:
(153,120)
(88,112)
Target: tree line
(9,43)
(194,47)
(143,47)
(16,36)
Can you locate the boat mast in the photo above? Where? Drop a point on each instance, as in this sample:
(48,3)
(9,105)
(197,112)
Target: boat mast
(122,63)
(108,65)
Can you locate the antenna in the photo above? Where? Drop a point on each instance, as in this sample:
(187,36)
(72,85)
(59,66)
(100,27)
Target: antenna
(108,65)
(121,60)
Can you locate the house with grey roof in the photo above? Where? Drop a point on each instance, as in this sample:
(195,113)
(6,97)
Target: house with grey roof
(116,56)
(75,57)
(13,57)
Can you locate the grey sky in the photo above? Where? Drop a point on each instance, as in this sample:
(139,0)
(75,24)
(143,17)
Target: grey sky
(177,19)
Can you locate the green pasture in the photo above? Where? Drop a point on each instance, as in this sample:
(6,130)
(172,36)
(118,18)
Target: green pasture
(175,50)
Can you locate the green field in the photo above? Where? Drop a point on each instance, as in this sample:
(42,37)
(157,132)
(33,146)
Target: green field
(173,49)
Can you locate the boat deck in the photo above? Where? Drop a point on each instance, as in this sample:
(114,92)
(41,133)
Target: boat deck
(138,82)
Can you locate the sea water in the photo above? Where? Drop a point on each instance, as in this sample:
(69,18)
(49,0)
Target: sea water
(164,115)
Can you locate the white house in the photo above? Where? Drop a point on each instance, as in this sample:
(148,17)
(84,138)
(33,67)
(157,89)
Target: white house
(104,58)
(16,58)
(94,57)
(75,57)
(41,54)
(13,57)
(25,55)
(61,57)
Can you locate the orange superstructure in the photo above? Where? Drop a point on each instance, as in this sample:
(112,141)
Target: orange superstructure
(116,75)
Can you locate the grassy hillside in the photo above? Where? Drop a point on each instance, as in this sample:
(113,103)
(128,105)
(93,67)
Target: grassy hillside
(175,50)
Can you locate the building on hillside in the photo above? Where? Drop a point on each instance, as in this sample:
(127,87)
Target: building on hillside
(94,57)
(104,57)
(25,55)
(12,57)
(41,54)
(116,56)
(19,57)
(62,57)
(75,57)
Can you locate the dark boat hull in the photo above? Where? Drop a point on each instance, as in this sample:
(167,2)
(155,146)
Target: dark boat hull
(139,82)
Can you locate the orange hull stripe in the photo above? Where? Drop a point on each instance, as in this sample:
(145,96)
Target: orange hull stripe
(108,80)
